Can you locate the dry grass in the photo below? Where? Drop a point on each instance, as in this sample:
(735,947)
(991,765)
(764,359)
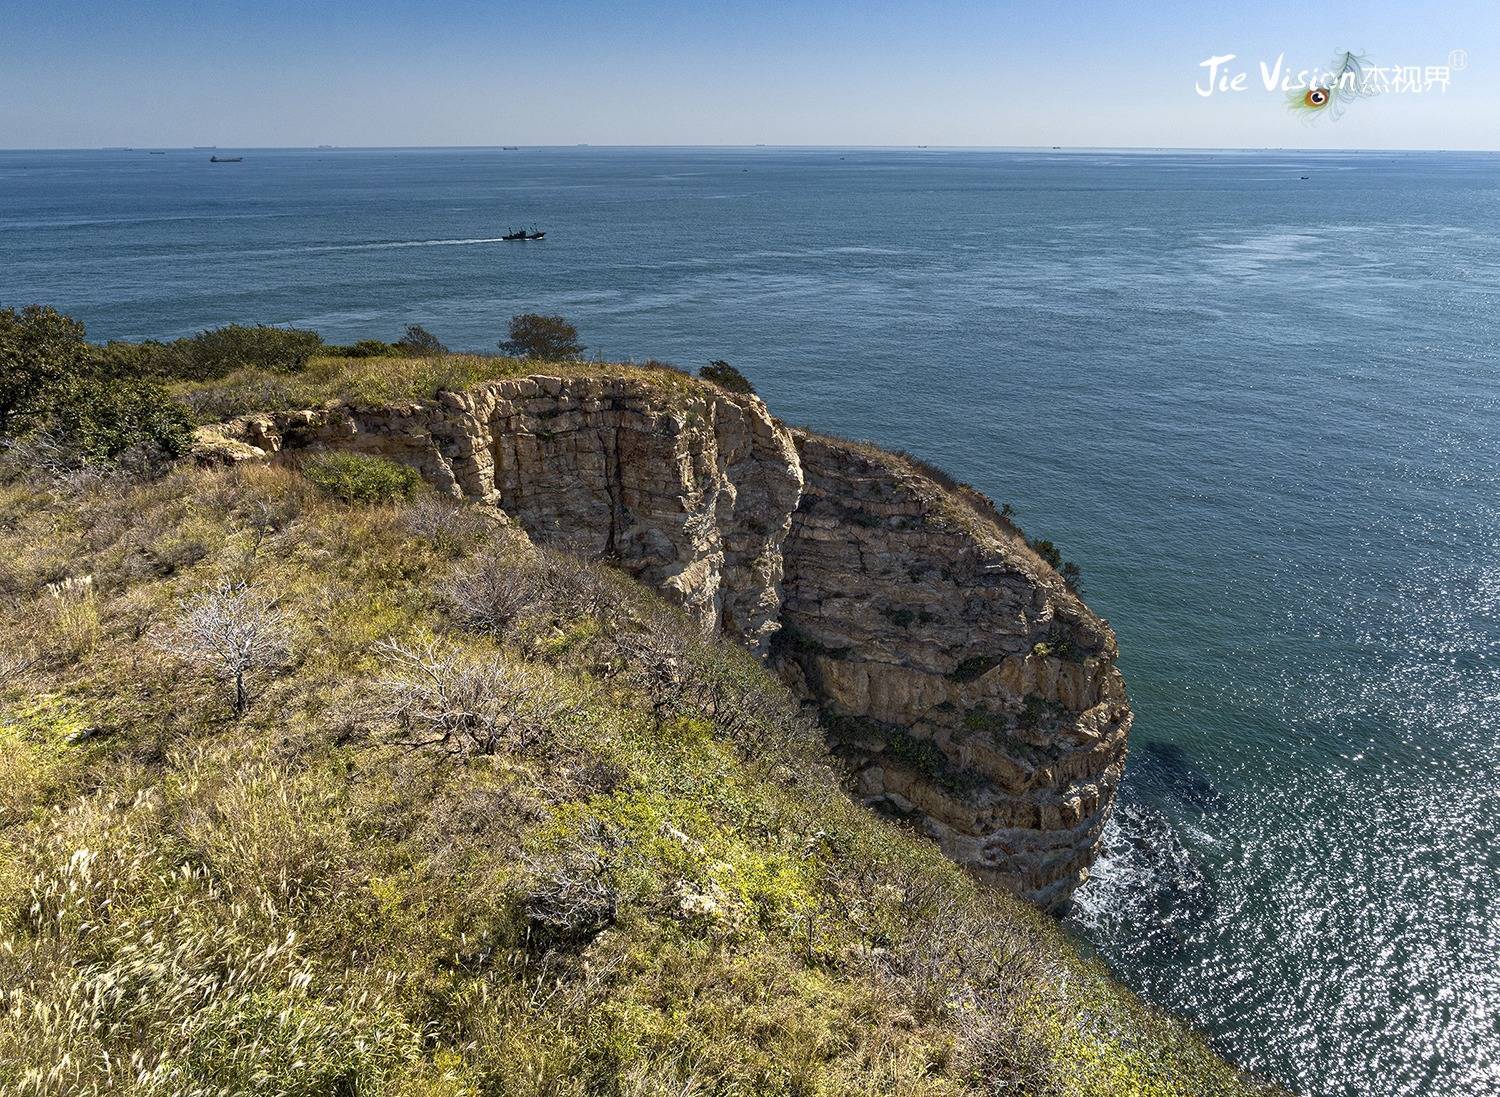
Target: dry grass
(633,876)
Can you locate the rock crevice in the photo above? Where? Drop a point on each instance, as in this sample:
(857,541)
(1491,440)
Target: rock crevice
(968,689)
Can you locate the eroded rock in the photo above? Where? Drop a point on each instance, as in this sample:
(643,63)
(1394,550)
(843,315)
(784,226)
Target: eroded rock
(969,690)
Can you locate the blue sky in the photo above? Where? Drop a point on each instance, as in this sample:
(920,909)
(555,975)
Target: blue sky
(85,73)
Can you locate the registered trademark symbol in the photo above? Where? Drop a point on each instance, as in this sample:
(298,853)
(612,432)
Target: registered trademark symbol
(1458,60)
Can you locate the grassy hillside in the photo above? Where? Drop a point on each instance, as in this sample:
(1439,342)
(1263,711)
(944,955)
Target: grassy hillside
(478,819)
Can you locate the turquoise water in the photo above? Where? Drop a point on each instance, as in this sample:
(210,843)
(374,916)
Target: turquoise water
(1262,411)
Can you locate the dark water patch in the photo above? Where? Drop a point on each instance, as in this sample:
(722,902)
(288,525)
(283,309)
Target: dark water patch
(1171,768)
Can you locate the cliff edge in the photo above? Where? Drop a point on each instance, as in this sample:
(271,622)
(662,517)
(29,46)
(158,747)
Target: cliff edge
(969,690)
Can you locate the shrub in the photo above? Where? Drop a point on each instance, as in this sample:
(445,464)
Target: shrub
(492,594)
(90,405)
(450,527)
(571,899)
(99,421)
(244,392)
(726,376)
(121,359)
(1037,709)
(1047,551)
(548,338)
(220,351)
(900,617)
(439,696)
(1071,573)
(972,667)
(357,478)
(40,350)
(419,341)
(498,593)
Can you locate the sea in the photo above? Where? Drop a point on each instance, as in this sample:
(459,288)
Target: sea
(1255,395)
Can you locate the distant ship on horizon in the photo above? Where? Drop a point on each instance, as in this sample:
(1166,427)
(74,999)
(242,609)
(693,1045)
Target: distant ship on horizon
(225,159)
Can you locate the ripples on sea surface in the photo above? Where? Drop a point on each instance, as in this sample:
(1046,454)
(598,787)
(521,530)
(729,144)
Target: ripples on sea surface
(1261,411)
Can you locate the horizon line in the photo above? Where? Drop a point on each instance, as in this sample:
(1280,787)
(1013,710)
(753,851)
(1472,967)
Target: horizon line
(738,146)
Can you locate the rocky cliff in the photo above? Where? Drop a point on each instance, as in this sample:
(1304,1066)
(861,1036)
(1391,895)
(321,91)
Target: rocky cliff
(970,691)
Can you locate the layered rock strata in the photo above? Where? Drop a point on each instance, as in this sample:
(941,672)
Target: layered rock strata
(969,690)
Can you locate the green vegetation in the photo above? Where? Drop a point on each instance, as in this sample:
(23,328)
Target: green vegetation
(360,478)
(58,397)
(214,353)
(418,341)
(378,381)
(95,403)
(902,617)
(365,348)
(1071,573)
(726,376)
(988,721)
(1059,645)
(40,351)
(483,820)
(136,398)
(791,640)
(544,338)
(220,351)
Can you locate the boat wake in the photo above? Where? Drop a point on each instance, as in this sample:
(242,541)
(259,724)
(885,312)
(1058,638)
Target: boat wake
(383,245)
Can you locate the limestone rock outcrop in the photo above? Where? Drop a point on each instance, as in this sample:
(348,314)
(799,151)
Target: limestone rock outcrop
(968,689)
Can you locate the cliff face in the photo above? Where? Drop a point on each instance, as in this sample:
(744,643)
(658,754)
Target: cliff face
(968,689)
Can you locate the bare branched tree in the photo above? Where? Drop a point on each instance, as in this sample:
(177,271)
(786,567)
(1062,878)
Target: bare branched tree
(233,628)
(571,897)
(447,525)
(441,697)
(496,594)
(67,473)
(491,595)
(654,664)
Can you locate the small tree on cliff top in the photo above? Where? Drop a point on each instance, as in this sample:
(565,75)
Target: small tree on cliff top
(419,341)
(548,338)
(726,376)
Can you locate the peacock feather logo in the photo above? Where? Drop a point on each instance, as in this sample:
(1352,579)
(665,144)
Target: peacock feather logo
(1330,94)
